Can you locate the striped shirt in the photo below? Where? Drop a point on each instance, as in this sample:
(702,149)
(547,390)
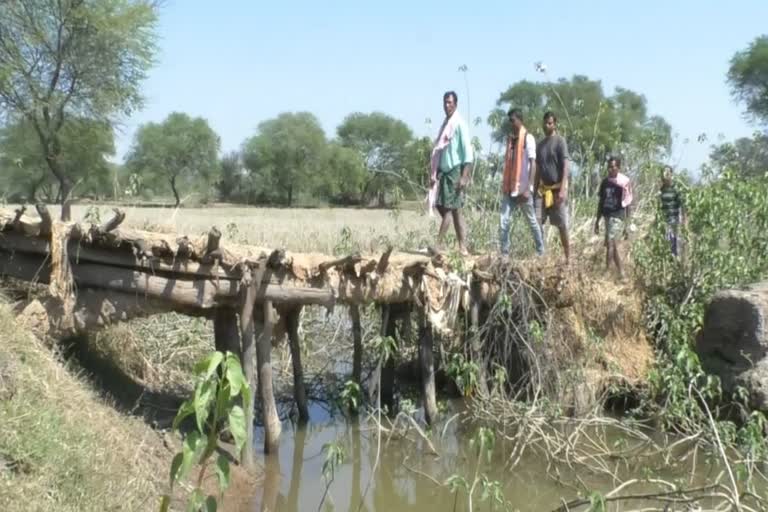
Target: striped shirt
(671,203)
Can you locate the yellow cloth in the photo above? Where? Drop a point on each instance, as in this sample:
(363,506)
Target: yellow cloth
(547,192)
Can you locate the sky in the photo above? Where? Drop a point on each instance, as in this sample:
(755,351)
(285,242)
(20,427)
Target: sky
(238,63)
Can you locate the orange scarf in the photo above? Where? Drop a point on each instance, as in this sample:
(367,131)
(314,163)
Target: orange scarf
(512,170)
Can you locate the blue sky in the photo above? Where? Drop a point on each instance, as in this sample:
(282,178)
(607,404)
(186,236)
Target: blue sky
(238,62)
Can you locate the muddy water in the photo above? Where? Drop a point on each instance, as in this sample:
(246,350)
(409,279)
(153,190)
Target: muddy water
(293,479)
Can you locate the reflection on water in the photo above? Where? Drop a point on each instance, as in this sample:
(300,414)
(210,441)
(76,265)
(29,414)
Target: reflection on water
(293,479)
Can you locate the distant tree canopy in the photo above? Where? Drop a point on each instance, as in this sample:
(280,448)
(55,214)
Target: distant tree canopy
(181,152)
(285,157)
(748,78)
(747,157)
(382,141)
(62,60)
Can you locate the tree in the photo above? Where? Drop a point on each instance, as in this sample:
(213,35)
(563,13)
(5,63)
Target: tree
(345,175)
(747,157)
(382,141)
(85,146)
(230,183)
(179,151)
(61,59)
(595,125)
(285,157)
(748,78)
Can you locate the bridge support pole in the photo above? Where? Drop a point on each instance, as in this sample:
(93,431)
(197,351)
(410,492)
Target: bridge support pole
(427,365)
(299,390)
(357,342)
(272,424)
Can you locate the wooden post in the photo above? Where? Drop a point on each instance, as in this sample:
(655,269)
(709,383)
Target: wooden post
(251,285)
(299,392)
(389,323)
(357,342)
(226,332)
(264,361)
(427,364)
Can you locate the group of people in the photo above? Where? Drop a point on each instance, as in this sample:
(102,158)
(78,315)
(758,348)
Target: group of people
(535,181)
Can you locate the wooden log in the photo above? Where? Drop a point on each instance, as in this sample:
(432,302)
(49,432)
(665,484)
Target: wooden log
(345,262)
(389,328)
(299,390)
(226,332)
(248,300)
(46,222)
(113,222)
(212,250)
(427,365)
(272,424)
(186,294)
(357,344)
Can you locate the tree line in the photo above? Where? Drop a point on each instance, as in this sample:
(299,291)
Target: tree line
(71,70)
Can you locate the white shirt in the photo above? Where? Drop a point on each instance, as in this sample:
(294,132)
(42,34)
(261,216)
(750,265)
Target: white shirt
(525,172)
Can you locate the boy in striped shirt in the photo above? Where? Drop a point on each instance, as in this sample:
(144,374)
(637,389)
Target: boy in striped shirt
(672,208)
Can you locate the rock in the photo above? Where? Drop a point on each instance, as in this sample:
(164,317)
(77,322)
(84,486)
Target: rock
(733,343)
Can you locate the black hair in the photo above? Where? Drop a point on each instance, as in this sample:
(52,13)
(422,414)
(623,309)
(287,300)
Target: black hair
(615,159)
(451,93)
(516,113)
(549,114)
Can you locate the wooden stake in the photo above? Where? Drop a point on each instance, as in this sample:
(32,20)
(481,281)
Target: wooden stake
(357,341)
(299,392)
(427,364)
(251,284)
(272,425)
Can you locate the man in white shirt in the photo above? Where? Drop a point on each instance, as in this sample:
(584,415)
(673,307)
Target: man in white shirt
(517,182)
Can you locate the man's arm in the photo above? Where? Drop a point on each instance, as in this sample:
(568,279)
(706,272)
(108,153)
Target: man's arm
(600,195)
(530,144)
(467,157)
(565,158)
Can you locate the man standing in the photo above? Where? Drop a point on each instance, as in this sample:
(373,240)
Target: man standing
(613,205)
(672,208)
(452,159)
(551,185)
(517,185)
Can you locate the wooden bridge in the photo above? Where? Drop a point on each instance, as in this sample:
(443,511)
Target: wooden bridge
(102,274)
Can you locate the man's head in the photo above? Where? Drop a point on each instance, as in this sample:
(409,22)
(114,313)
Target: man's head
(450,100)
(666,175)
(614,166)
(550,123)
(515,116)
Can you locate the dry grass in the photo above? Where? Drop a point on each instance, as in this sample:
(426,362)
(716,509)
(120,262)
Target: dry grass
(61,447)
(326,230)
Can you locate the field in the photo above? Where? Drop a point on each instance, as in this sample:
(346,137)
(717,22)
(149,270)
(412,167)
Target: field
(326,230)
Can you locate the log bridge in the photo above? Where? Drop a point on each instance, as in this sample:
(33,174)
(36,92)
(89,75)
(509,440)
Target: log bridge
(101,274)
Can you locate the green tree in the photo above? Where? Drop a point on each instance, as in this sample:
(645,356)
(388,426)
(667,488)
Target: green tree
(382,141)
(85,146)
(64,59)
(344,175)
(231,172)
(748,78)
(746,156)
(179,151)
(286,157)
(595,125)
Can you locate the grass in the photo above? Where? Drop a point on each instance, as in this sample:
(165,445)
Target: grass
(294,229)
(62,447)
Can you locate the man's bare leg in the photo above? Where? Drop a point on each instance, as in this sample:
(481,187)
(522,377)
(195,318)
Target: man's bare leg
(617,259)
(566,243)
(460,227)
(446,215)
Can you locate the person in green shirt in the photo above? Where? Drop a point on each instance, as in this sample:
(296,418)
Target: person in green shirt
(452,159)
